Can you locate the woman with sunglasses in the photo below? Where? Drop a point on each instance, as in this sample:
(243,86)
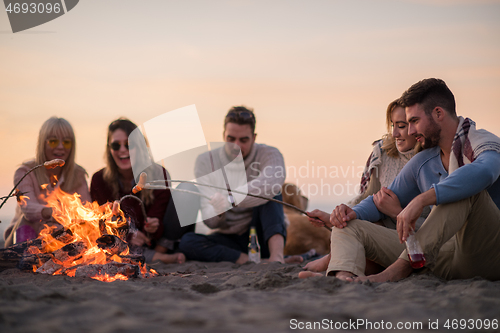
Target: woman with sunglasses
(116,180)
(56,140)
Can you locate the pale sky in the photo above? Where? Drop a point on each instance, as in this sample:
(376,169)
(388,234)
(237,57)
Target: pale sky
(319,74)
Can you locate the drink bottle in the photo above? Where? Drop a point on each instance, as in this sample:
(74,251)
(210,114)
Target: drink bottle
(253,247)
(415,253)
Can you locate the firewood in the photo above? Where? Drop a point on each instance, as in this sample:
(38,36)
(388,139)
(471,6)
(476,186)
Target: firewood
(112,268)
(134,259)
(29,260)
(49,267)
(111,244)
(70,252)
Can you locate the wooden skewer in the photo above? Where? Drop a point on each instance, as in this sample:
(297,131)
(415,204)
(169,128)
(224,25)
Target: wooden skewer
(151,186)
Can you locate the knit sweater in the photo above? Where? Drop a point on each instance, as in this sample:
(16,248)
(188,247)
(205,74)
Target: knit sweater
(265,174)
(383,171)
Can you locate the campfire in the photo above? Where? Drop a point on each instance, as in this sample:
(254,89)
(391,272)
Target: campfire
(88,240)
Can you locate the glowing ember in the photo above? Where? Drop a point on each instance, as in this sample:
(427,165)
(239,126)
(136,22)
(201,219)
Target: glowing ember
(92,241)
(107,278)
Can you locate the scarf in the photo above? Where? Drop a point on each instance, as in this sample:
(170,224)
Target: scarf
(373,162)
(469,143)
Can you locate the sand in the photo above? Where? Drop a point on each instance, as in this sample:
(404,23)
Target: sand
(225,297)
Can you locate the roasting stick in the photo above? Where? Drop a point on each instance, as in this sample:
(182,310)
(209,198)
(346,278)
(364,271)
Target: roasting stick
(48,165)
(52,164)
(152,186)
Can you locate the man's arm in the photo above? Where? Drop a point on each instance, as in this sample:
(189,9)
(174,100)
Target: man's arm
(404,187)
(409,215)
(469,179)
(463,183)
(271,176)
(209,213)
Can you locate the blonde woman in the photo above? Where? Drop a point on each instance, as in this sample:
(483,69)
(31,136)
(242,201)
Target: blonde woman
(56,140)
(390,154)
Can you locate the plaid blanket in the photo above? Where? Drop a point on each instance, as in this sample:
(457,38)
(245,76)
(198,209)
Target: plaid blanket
(373,162)
(469,143)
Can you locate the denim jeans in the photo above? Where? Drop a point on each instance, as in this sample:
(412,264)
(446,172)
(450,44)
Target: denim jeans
(268,220)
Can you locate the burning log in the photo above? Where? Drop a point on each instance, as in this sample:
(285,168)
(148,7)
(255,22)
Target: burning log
(28,261)
(110,269)
(134,259)
(49,267)
(70,252)
(12,256)
(66,254)
(111,244)
(9,258)
(21,247)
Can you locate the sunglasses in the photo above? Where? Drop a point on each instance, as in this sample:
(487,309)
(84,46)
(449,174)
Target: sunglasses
(244,115)
(116,145)
(53,143)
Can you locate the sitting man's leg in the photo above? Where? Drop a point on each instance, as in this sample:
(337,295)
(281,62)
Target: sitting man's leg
(215,247)
(471,229)
(459,240)
(180,217)
(269,220)
(361,240)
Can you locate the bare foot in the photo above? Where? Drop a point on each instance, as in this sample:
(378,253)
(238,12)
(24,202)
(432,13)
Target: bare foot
(294,260)
(176,258)
(345,276)
(161,249)
(318,265)
(307,274)
(242,259)
(277,257)
(395,272)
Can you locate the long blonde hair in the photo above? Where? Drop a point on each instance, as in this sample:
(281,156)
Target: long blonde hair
(72,172)
(111,173)
(389,144)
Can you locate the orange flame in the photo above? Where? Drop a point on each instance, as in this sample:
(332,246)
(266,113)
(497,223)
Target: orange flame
(53,180)
(87,222)
(22,199)
(44,186)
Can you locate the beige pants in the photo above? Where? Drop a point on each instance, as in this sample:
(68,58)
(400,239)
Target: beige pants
(460,240)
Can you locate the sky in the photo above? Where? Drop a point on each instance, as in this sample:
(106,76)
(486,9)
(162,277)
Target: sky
(319,75)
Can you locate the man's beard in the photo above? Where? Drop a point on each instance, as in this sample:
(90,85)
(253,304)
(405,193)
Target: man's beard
(431,135)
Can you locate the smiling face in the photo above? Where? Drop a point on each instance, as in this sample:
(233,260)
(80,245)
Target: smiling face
(404,141)
(240,135)
(119,138)
(58,146)
(423,127)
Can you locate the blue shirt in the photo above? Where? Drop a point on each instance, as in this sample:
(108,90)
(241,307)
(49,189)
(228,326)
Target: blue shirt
(425,171)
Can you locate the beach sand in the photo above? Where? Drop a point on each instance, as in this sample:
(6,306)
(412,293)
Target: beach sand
(225,297)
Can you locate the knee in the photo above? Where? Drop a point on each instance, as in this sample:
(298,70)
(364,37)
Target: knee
(188,241)
(354,227)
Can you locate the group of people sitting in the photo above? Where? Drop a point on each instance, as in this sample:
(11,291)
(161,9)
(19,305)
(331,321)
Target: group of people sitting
(433,175)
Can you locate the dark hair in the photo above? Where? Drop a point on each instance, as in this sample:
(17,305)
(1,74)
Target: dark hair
(241,115)
(430,93)
(111,173)
(121,123)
